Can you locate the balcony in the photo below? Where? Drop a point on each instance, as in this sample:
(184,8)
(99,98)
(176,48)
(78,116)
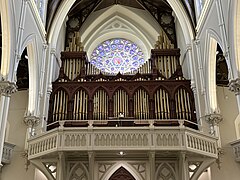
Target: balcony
(135,139)
(7,153)
(236,148)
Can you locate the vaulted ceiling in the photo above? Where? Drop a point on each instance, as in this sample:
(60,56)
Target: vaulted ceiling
(83,8)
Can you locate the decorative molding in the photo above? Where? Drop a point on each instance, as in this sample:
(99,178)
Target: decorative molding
(220,156)
(214,118)
(7,88)
(31,121)
(140,168)
(103,168)
(113,139)
(27,162)
(234,86)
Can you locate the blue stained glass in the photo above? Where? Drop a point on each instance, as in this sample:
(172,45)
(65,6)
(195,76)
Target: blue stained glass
(117,55)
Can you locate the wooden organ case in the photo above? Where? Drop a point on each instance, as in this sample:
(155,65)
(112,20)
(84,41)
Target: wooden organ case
(158,92)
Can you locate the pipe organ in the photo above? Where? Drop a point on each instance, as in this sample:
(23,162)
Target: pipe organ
(157,91)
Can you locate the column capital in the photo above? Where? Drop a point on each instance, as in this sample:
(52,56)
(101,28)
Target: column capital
(7,88)
(234,86)
(214,118)
(31,121)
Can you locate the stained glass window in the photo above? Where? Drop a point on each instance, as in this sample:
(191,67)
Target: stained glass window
(117,55)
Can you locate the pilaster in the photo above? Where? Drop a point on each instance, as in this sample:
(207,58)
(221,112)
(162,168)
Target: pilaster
(6,89)
(91,159)
(152,164)
(183,166)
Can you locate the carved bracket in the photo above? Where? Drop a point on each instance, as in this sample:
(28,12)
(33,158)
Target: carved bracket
(7,88)
(214,119)
(234,86)
(31,122)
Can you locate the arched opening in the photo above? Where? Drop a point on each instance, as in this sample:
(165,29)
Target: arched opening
(211,56)
(221,68)
(122,174)
(22,72)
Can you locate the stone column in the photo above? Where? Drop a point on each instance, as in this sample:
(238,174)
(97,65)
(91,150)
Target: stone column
(61,166)
(91,160)
(183,166)
(152,164)
(6,89)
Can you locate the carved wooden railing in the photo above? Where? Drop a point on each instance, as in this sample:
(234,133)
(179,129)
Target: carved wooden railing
(84,93)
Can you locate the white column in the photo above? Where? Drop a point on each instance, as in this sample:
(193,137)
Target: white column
(183,167)
(48,85)
(61,166)
(6,89)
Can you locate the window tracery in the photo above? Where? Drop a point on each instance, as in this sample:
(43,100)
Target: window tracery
(117,55)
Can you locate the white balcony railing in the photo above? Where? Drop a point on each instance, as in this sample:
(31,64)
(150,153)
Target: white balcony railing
(128,138)
(236,148)
(7,152)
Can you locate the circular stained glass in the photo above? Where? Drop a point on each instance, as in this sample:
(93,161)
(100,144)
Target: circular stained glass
(117,55)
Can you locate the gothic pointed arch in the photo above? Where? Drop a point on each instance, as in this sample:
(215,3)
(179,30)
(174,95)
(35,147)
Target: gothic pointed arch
(121,174)
(23,72)
(212,40)
(8,41)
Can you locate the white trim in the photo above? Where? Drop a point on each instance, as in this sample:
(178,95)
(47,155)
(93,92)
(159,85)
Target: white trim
(125,165)
(204,15)
(38,19)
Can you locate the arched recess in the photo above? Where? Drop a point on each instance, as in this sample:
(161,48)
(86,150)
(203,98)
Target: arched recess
(166,171)
(141,104)
(210,67)
(177,7)
(119,21)
(33,67)
(236,48)
(121,174)
(65,6)
(100,104)
(7,40)
(236,33)
(124,165)
(78,171)
(22,74)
